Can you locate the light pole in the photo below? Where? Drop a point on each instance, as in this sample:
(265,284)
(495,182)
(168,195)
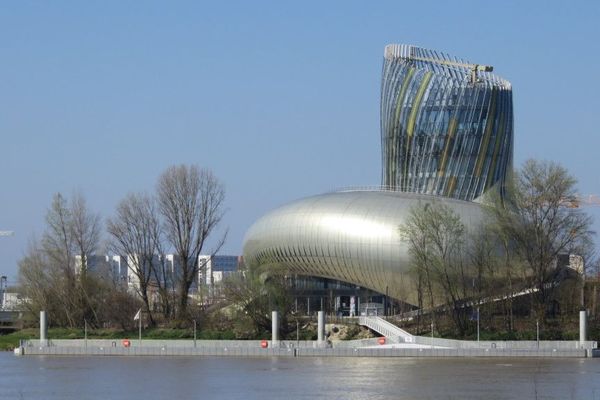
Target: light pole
(2,290)
(385,306)
(295,315)
(477,324)
(140,328)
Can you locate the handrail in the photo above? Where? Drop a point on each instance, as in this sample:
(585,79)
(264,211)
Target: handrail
(466,303)
(385,328)
(367,188)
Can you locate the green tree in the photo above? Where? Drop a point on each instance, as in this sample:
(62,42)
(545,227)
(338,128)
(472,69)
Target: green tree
(538,221)
(256,292)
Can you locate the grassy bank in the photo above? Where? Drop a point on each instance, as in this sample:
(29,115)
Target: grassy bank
(11,340)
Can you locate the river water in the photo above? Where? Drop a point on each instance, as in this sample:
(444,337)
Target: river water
(148,378)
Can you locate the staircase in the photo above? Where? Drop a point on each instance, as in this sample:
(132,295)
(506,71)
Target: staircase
(386,329)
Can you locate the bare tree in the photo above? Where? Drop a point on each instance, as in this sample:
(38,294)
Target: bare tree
(446,239)
(483,253)
(34,282)
(70,239)
(85,229)
(163,274)
(46,288)
(436,237)
(191,203)
(415,233)
(536,218)
(58,247)
(484,256)
(135,233)
(57,240)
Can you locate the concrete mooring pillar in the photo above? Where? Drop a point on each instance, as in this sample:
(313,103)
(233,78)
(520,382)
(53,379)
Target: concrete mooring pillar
(275,327)
(43,328)
(320,326)
(582,327)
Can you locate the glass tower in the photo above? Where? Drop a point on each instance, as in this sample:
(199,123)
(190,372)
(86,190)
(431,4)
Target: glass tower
(446,124)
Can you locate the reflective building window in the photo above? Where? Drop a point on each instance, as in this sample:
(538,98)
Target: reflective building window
(446,124)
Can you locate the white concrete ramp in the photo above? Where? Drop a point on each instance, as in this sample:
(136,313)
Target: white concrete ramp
(386,329)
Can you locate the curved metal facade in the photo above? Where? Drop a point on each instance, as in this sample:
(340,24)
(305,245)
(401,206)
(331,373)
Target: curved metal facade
(350,236)
(443,132)
(447,136)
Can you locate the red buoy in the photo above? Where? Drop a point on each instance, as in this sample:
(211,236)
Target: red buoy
(264,344)
(381,340)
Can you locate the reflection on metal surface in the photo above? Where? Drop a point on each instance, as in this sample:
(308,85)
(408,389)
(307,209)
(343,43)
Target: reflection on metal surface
(446,135)
(350,236)
(357,227)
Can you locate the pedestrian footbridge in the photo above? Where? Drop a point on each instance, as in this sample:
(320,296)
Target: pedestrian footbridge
(399,338)
(387,329)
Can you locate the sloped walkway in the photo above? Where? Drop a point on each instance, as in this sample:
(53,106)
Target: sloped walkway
(386,329)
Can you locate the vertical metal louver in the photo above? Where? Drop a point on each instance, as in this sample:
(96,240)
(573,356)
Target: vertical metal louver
(446,125)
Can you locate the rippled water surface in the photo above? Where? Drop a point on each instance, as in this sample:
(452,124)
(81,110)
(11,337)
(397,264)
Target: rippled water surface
(296,378)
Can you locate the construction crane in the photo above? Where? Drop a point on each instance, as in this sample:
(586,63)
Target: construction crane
(473,67)
(6,233)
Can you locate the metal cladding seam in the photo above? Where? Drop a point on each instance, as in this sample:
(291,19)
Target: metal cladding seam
(442,134)
(351,236)
(446,136)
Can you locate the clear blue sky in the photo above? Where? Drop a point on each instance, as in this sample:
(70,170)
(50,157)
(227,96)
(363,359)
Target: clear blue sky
(279,99)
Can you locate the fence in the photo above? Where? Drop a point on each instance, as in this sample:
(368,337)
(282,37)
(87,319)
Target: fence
(170,344)
(508,344)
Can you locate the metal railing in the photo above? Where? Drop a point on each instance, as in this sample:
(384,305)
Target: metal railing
(379,188)
(557,345)
(385,328)
(171,343)
(367,188)
(466,303)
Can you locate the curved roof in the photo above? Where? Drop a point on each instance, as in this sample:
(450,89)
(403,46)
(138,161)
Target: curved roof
(351,236)
(446,135)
